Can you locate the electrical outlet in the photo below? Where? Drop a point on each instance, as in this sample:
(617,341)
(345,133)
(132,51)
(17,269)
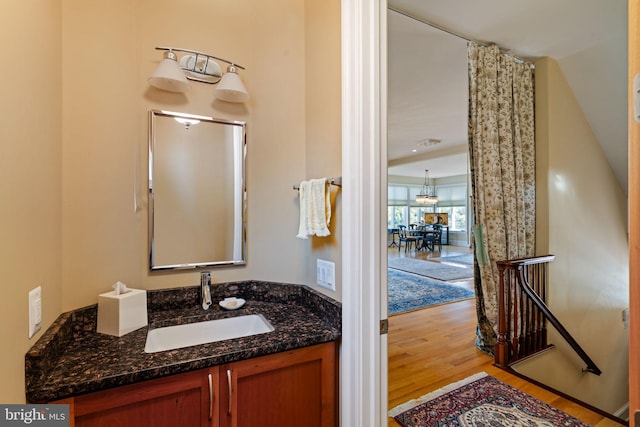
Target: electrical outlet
(35,310)
(326,274)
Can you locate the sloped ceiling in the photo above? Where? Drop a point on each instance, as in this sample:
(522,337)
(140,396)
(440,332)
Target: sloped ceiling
(428,81)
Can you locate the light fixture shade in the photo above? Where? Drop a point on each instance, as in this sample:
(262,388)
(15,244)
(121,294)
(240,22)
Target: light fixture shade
(168,76)
(230,88)
(426,199)
(427,196)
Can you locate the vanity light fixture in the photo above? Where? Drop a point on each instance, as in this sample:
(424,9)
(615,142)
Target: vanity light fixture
(168,76)
(230,88)
(172,74)
(427,195)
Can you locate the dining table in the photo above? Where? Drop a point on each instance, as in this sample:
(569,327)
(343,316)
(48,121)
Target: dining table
(394,233)
(422,233)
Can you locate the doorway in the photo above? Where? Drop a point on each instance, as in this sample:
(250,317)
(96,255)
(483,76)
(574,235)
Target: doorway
(427,130)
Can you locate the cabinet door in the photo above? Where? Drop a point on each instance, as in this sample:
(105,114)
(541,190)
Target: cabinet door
(289,389)
(183,400)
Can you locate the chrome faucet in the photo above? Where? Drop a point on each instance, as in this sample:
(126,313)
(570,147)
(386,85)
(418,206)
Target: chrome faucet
(205,289)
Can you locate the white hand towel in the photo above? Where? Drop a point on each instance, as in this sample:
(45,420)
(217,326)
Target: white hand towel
(315,208)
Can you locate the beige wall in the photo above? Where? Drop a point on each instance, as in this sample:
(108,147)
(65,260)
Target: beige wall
(76,168)
(102,121)
(30,178)
(323,157)
(105,123)
(584,211)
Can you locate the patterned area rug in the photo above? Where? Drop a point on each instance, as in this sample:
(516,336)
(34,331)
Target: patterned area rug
(407,292)
(480,400)
(461,259)
(435,270)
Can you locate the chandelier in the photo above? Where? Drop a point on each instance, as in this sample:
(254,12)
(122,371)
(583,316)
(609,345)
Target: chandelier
(427,195)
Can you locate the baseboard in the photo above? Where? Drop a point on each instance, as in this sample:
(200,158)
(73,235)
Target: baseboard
(463,243)
(613,417)
(623,413)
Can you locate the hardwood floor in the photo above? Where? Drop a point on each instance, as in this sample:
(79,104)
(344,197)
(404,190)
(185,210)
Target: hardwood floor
(447,250)
(433,347)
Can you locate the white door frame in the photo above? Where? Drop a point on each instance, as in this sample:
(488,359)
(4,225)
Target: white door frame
(363,361)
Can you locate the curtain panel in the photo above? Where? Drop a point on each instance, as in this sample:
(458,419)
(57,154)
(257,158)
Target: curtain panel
(502,154)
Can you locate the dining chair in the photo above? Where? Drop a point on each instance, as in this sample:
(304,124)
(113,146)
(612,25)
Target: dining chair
(427,240)
(408,239)
(436,237)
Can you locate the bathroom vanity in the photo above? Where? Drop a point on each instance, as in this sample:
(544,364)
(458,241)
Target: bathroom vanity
(285,377)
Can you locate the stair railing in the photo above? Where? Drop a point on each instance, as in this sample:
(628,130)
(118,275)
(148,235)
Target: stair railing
(523,313)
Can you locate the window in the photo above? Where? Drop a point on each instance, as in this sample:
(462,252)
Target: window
(396,215)
(397,210)
(457,217)
(452,200)
(402,208)
(416,213)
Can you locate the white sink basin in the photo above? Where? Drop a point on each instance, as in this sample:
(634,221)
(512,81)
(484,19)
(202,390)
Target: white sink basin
(179,336)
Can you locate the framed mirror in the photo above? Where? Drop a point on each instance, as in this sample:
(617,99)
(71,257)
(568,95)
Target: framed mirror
(197,191)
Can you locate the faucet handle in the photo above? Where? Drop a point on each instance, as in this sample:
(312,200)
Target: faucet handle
(206,298)
(205,278)
(205,289)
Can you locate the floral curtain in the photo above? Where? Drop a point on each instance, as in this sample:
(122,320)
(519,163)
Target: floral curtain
(502,154)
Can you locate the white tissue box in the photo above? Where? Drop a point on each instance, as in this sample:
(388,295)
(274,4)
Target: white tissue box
(120,314)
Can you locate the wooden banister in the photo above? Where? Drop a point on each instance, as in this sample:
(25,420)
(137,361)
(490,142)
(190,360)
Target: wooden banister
(523,312)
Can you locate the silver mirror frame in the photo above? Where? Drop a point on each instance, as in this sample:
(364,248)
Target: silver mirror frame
(240,218)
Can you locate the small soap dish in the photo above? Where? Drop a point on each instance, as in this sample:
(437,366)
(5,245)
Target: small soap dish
(232,303)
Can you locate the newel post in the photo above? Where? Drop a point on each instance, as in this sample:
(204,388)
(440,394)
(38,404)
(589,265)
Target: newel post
(501,348)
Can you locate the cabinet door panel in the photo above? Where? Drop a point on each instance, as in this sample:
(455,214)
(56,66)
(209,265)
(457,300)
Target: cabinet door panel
(180,400)
(177,409)
(295,388)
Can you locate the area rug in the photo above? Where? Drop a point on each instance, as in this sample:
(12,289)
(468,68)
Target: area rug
(434,270)
(407,292)
(460,259)
(480,400)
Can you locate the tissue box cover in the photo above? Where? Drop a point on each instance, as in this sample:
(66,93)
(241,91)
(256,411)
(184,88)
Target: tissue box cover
(120,314)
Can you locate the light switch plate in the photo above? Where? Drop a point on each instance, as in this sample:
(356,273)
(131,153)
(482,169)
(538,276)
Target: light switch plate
(326,274)
(35,310)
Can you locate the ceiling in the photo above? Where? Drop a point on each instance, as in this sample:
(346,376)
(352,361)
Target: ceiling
(427,70)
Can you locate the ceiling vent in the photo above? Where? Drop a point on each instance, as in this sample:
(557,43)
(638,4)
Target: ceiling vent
(426,143)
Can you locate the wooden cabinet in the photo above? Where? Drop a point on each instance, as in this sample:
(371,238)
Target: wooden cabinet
(180,400)
(293,388)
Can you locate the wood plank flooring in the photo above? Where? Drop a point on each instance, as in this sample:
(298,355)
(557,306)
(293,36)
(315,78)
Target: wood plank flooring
(433,347)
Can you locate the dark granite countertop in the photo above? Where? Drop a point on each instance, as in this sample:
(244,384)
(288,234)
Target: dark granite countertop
(71,358)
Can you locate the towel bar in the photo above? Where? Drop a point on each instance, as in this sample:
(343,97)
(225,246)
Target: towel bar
(337,181)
